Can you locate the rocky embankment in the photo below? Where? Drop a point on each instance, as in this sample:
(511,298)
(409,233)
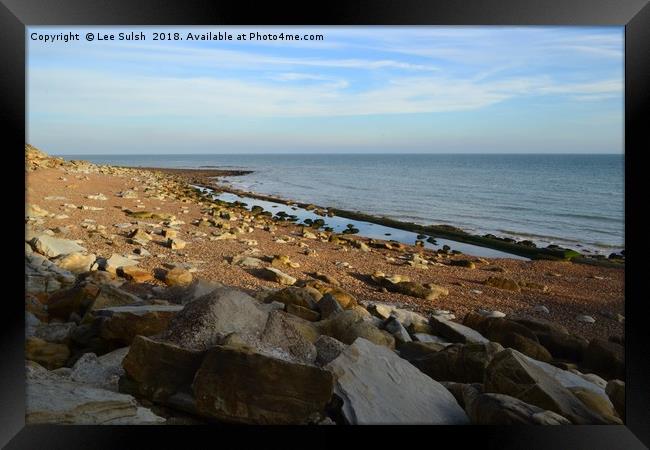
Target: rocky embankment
(119,337)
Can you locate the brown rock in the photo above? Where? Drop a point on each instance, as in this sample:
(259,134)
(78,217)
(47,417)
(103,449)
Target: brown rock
(307,314)
(178,277)
(158,369)
(605,358)
(616,392)
(499,409)
(511,374)
(121,324)
(328,306)
(303,297)
(235,384)
(136,274)
(64,302)
(345,299)
(47,354)
(502,283)
(463,363)
(348,325)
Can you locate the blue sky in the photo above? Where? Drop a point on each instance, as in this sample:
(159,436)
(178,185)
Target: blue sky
(361,89)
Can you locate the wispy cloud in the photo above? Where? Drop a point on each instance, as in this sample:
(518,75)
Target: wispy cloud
(361,72)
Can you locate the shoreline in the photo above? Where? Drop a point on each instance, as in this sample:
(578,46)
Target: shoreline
(210,179)
(138,272)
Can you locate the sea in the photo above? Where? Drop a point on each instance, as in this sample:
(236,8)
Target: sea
(571,200)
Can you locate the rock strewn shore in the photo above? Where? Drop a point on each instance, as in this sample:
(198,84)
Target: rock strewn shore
(163,306)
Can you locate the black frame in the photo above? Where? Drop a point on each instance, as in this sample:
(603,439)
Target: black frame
(15,15)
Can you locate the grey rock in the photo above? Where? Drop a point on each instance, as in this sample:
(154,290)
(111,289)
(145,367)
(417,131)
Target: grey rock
(54,400)
(328,349)
(394,327)
(379,387)
(55,332)
(53,247)
(328,306)
(512,373)
(205,321)
(456,332)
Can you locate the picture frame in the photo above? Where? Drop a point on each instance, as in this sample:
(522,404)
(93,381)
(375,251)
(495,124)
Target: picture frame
(16,15)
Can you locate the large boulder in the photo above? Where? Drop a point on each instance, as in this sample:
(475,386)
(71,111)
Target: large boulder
(379,387)
(463,363)
(348,325)
(509,334)
(51,399)
(205,321)
(616,392)
(156,369)
(282,338)
(561,344)
(605,358)
(512,373)
(236,384)
(500,409)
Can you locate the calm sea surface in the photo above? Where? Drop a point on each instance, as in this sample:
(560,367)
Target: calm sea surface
(572,200)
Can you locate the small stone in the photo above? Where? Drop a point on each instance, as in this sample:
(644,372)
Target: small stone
(585,319)
(487,313)
(541,309)
(136,274)
(176,244)
(278,276)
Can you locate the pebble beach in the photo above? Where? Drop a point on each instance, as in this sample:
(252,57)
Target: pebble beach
(149,233)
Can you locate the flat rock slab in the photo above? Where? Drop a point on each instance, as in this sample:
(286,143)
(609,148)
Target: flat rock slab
(122,324)
(379,387)
(51,399)
(53,247)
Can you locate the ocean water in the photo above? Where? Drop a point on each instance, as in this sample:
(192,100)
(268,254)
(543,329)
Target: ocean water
(570,200)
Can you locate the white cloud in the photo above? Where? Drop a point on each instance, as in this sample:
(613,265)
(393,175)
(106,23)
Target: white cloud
(57,91)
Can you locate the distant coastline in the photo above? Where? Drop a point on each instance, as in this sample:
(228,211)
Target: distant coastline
(248,172)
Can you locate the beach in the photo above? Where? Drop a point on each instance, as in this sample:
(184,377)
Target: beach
(102,208)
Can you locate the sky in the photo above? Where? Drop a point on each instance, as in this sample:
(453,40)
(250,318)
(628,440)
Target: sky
(425,89)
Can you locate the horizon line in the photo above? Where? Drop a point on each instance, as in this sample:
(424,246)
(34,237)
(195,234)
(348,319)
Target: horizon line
(336,153)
